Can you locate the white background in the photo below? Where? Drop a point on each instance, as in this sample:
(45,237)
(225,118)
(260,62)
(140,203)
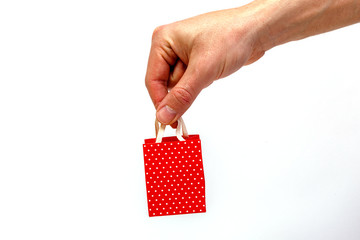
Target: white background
(280,137)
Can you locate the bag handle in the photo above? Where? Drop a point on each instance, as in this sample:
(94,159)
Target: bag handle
(160,130)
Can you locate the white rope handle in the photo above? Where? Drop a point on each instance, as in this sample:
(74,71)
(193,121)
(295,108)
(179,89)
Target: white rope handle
(180,128)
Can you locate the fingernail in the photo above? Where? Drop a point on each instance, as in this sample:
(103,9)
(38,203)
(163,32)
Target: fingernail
(166,114)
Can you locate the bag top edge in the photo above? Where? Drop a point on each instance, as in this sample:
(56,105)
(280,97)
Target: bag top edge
(172,139)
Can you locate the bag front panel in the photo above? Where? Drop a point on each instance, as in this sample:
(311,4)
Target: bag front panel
(174,176)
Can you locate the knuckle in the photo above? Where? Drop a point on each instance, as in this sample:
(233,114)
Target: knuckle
(182,95)
(158,31)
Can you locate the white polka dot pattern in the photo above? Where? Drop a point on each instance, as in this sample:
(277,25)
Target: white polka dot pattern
(174,176)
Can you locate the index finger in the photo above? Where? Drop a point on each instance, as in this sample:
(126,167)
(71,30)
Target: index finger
(157,75)
(161,58)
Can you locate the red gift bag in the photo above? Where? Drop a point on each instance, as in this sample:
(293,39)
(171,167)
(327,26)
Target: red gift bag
(174,173)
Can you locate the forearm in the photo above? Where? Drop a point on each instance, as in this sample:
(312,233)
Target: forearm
(288,20)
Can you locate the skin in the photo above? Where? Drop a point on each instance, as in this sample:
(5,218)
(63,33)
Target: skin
(187,56)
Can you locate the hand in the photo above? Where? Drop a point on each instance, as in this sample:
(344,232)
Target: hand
(189,55)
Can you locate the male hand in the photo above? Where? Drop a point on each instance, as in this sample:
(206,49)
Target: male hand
(189,55)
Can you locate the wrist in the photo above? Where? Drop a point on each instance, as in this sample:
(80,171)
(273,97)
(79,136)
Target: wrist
(287,20)
(271,23)
(257,17)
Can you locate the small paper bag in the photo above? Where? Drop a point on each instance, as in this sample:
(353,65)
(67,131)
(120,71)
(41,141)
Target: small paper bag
(174,173)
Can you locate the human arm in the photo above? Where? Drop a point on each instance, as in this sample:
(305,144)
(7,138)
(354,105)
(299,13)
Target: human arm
(188,55)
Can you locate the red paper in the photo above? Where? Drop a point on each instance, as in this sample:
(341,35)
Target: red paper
(174,175)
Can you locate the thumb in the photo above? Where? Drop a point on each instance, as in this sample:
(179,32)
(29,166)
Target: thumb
(180,97)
